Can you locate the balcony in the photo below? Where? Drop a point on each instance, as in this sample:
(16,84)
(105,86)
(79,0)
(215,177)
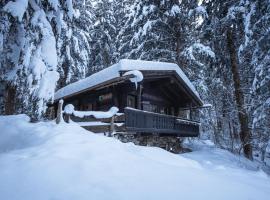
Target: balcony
(143,122)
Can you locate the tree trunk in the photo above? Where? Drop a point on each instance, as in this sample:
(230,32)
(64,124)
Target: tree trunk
(245,134)
(10,94)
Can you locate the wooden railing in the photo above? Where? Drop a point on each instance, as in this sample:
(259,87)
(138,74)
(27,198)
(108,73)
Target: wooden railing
(101,125)
(132,121)
(148,122)
(102,122)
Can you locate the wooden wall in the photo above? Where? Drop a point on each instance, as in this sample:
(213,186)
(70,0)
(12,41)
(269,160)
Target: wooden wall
(158,95)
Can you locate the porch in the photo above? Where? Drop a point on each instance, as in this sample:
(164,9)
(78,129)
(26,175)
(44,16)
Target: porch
(134,121)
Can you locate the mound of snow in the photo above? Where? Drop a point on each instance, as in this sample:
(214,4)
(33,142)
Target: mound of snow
(67,162)
(17,133)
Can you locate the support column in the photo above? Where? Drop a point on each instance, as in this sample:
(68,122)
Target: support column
(139,96)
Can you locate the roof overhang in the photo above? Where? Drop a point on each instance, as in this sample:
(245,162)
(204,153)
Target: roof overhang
(113,75)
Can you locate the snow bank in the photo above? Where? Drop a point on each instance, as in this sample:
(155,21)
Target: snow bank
(72,163)
(115,70)
(218,158)
(12,137)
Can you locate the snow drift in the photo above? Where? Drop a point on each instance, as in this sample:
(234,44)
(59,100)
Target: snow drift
(48,161)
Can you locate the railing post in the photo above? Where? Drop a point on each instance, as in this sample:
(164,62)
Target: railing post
(139,96)
(68,118)
(112,127)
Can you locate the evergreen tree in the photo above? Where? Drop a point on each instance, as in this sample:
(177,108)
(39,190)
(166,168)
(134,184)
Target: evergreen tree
(73,41)
(239,22)
(159,30)
(29,59)
(103,34)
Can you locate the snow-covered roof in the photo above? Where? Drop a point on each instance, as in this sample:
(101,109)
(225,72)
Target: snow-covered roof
(115,70)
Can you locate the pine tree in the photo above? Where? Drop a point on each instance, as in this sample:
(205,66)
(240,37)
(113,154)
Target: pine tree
(30,59)
(159,30)
(103,34)
(237,19)
(73,41)
(255,53)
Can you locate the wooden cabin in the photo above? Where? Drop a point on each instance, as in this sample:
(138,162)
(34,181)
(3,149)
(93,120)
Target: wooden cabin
(159,103)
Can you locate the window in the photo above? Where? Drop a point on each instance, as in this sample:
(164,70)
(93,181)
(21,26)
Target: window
(184,114)
(131,101)
(86,107)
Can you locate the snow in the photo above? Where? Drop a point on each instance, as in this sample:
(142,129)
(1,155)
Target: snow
(188,122)
(96,114)
(70,8)
(200,48)
(69,109)
(98,124)
(138,76)
(234,10)
(200,10)
(48,43)
(48,161)
(175,10)
(1,42)
(42,61)
(247,22)
(54,4)
(114,72)
(17,8)
(207,105)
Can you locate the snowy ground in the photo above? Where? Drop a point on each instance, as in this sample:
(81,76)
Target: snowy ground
(46,161)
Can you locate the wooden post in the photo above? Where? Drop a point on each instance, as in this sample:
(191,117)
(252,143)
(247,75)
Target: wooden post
(67,118)
(115,96)
(59,117)
(190,112)
(139,97)
(112,127)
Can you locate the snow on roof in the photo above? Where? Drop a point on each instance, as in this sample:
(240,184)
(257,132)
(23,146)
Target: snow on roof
(114,72)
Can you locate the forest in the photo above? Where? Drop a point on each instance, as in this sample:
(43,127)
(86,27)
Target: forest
(223,47)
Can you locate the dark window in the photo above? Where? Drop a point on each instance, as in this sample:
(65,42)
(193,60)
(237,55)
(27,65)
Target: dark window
(131,101)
